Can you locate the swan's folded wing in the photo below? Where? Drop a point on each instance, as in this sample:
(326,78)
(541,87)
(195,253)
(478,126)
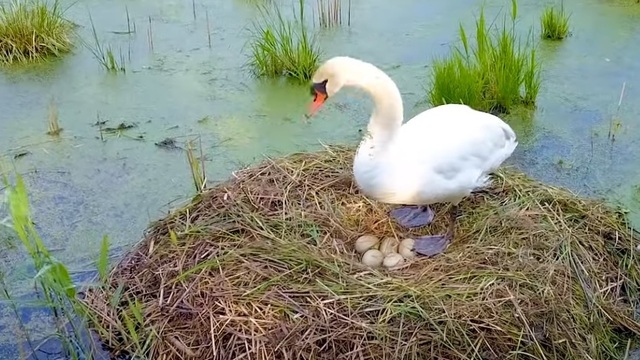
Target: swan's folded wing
(455,148)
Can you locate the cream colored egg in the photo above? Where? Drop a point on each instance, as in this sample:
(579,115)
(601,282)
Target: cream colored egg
(393,260)
(372,258)
(406,248)
(366,242)
(389,245)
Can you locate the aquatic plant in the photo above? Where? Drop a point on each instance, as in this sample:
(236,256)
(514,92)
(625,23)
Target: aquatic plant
(104,54)
(283,47)
(53,282)
(54,123)
(614,122)
(33,30)
(496,75)
(330,13)
(196,166)
(554,23)
(265,264)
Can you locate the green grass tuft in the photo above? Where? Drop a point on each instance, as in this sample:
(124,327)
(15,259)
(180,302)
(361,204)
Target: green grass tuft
(496,75)
(283,48)
(32,30)
(554,23)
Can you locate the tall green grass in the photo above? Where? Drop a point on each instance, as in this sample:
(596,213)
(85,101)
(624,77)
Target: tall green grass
(33,30)
(282,47)
(196,166)
(52,282)
(496,73)
(554,23)
(59,293)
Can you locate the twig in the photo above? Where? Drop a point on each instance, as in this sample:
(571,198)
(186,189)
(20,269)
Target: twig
(150,35)
(206,12)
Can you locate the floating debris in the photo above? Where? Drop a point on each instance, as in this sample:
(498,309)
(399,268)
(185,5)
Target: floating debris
(168,143)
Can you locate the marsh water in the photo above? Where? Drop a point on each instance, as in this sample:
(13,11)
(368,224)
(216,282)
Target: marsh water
(83,186)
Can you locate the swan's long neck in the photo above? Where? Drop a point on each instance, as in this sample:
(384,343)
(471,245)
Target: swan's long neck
(388,112)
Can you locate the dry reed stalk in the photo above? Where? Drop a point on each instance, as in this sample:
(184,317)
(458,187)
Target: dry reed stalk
(330,12)
(150,36)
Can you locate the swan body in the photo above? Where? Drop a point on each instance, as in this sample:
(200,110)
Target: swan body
(441,155)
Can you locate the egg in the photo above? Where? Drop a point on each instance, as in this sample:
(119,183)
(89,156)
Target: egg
(366,242)
(406,248)
(392,260)
(372,258)
(389,245)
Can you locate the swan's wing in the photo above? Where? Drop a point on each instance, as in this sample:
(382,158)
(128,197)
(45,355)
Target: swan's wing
(452,136)
(449,150)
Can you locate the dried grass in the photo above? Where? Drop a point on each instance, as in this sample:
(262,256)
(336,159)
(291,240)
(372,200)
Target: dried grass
(263,267)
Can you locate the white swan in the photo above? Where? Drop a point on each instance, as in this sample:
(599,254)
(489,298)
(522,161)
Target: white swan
(441,155)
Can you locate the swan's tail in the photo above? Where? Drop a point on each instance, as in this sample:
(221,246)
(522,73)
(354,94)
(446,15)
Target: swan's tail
(502,154)
(510,144)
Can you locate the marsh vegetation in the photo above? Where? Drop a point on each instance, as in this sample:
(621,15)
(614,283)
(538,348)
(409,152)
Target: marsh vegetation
(554,23)
(55,289)
(282,47)
(495,71)
(330,13)
(33,30)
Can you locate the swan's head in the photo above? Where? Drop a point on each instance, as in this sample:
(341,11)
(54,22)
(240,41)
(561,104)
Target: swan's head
(329,79)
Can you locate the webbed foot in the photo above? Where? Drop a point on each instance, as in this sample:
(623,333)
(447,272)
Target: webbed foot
(413,216)
(431,245)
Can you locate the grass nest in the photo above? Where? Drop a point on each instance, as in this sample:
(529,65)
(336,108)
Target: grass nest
(263,267)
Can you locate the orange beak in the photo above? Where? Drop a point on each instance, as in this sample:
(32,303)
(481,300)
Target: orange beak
(318,100)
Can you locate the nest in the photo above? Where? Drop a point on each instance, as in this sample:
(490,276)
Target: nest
(263,267)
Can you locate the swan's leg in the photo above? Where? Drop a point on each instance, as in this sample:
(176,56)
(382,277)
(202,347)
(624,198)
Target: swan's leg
(435,244)
(413,216)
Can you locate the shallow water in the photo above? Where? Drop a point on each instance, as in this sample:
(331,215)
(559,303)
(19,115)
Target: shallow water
(83,187)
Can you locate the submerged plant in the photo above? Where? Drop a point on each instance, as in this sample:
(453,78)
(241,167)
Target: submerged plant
(495,75)
(32,30)
(554,23)
(283,47)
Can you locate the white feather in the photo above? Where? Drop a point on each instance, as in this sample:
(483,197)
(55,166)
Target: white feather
(441,155)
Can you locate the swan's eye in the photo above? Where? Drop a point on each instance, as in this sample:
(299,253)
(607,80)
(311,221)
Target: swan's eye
(319,88)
